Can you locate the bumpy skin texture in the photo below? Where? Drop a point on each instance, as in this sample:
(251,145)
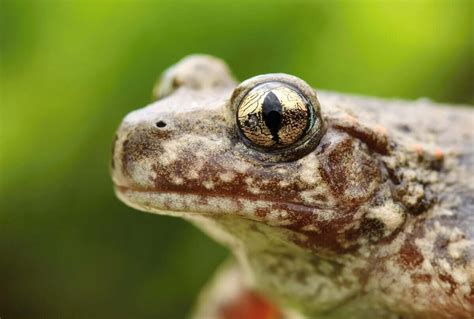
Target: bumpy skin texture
(375,220)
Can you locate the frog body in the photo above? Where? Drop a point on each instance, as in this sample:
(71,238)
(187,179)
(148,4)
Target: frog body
(338,206)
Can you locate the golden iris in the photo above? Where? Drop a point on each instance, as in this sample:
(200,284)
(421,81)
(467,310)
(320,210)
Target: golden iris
(274,115)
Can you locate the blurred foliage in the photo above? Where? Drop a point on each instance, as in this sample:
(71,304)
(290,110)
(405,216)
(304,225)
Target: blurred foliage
(71,70)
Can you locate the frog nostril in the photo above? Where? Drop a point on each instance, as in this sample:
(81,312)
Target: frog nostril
(160,124)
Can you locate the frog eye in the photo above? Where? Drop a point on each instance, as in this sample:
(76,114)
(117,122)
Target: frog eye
(274,112)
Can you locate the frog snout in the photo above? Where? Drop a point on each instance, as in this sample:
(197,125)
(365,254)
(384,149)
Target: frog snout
(135,149)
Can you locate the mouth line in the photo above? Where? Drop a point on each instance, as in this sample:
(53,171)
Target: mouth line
(128,195)
(176,203)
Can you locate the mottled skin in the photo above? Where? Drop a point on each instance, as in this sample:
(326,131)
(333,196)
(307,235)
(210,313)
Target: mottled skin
(376,220)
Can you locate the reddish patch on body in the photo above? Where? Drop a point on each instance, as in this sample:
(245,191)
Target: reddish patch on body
(249,305)
(350,172)
(450,280)
(425,278)
(438,154)
(409,256)
(330,239)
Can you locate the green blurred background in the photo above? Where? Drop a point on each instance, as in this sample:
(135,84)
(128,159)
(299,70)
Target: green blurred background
(71,70)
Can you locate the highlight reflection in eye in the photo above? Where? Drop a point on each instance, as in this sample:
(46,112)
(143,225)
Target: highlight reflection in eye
(274,115)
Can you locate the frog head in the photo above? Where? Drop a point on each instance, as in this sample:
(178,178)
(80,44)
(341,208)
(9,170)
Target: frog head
(264,150)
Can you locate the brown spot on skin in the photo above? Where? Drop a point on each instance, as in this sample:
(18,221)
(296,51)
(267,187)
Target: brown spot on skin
(421,278)
(261,212)
(409,256)
(349,172)
(141,144)
(450,280)
(372,228)
(392,175)
(249,305)
(329,240)
(335,169)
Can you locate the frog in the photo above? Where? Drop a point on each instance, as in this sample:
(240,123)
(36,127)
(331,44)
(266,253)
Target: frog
(332,205)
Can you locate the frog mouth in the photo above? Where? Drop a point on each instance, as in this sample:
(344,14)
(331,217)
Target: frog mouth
(152,201)
(181,204)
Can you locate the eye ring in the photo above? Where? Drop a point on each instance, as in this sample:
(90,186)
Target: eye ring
(278,116)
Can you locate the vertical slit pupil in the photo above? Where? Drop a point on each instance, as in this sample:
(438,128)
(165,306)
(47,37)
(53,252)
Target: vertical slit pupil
(272,114)
(274,120)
